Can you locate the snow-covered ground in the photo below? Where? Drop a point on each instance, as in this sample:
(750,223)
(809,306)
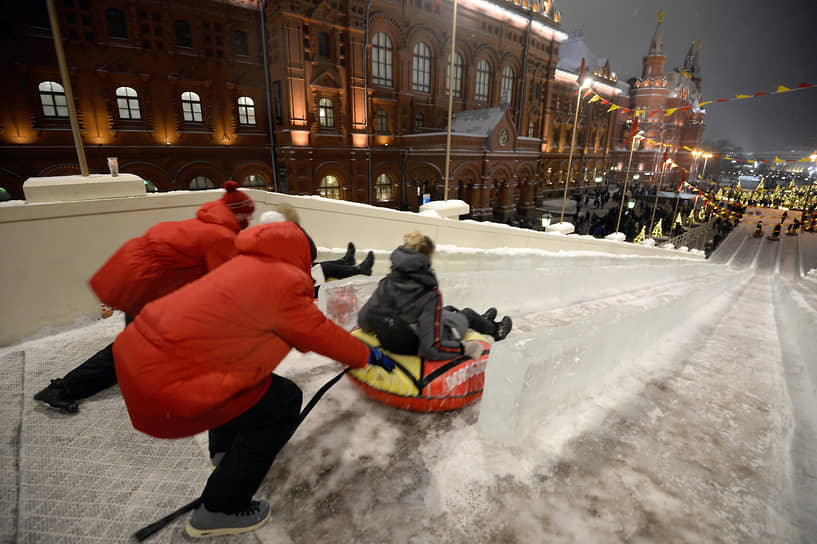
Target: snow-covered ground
(697,438)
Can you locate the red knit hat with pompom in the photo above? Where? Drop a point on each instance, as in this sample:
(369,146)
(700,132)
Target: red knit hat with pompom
(238,201)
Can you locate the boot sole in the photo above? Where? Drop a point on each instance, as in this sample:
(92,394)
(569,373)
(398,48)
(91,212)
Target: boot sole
(201,533)
(58,408)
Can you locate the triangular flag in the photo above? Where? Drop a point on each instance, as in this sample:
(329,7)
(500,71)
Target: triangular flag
(654,113)
(613,107)
(685,74)
(688,148)
(804,86)
(805,159)
(702,104)
(782,89)
(588,92)
(742,96)
(670,111)
(595,98)
(778,159)
(633,130)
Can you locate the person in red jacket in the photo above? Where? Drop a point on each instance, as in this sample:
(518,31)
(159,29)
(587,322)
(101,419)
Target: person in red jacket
(202,359)
(167,256)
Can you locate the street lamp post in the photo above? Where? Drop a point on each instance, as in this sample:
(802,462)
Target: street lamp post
(636,138)
(657,192)
(706,157)
(582,85)
(450,98)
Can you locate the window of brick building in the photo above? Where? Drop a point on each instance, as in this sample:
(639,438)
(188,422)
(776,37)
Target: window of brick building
(52,98)
(419,120)
(506,91)
(326,112)
(240,39)
(457,75)
(382,60)
(184,35)
(117,27)
(200,183)
(483,79)
(246,110)
(421,68)
(323,45)
(329,187)
(383,188)
(127,102)
(254,181)
(382,121)
(191,107)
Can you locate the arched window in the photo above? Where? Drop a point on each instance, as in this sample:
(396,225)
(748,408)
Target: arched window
(383,188)
(330,187)
(117,28)
(240,40)
(184,36)
(191,107)
(323,45)
(52,98)
(254,181)
(326,112)
(150,187)
(246,110)
(506,91)
(127,102)
(199,183)
(555,139)
(382,121)
(421,69)
(483,77)
(457,75)
(419,120)
(381,60)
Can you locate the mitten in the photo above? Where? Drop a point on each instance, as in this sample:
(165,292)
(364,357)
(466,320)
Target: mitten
(378,358)
(473,349)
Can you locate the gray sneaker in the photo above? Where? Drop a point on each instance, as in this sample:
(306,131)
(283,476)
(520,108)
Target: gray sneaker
(206,523)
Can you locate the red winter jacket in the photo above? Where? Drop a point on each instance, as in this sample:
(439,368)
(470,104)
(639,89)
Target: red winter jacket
(203,355)
(167,256)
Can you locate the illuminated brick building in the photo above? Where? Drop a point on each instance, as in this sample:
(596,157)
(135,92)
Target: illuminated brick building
(651,96)
(177,91)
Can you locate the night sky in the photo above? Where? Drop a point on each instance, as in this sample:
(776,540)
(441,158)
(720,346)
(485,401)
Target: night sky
(747,47)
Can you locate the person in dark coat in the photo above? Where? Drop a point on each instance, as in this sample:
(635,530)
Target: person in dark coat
(169,255)
(407,315)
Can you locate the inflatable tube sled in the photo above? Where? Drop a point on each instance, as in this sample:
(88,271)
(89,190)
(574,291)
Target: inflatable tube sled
(424,386)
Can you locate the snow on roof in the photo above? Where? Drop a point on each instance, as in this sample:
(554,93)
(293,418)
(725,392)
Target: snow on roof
(571,53)
(477,122)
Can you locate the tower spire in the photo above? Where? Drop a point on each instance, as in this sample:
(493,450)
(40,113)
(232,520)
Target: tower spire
(657,44)
(653,63)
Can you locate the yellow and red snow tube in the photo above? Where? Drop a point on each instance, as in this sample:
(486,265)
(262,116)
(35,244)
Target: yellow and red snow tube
(424,386)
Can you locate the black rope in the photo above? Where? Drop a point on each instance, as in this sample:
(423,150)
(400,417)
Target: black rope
(156,526)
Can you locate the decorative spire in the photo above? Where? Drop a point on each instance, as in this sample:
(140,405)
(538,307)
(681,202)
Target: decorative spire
(657,45)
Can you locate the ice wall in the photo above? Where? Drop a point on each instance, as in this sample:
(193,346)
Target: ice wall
(534,375)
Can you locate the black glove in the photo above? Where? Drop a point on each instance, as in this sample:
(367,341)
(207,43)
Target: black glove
(378,358)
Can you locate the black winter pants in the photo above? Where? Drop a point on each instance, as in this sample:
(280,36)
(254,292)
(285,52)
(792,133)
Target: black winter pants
(250,443)
(476,321)
(94,375)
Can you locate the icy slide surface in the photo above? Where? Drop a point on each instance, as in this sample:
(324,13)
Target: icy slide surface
(678,425)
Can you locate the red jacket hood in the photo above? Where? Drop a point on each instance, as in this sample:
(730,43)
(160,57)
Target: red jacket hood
(219,213)
(281,241)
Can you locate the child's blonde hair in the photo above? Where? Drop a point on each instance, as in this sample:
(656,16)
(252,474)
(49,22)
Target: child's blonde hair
(417,241)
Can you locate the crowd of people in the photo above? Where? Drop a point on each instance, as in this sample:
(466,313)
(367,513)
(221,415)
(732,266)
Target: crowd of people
(213,305)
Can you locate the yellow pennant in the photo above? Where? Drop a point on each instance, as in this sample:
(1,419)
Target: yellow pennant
(782,89)
(702,104)
(685,74)
(670,111)
(688,148)
(804,159)
(742,96)
(595,98)
(778,160)
(613,107)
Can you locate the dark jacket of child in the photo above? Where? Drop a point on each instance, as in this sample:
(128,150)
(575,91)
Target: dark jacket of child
(408,301)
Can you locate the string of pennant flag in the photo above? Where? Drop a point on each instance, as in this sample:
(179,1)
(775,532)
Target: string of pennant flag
(669,111)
